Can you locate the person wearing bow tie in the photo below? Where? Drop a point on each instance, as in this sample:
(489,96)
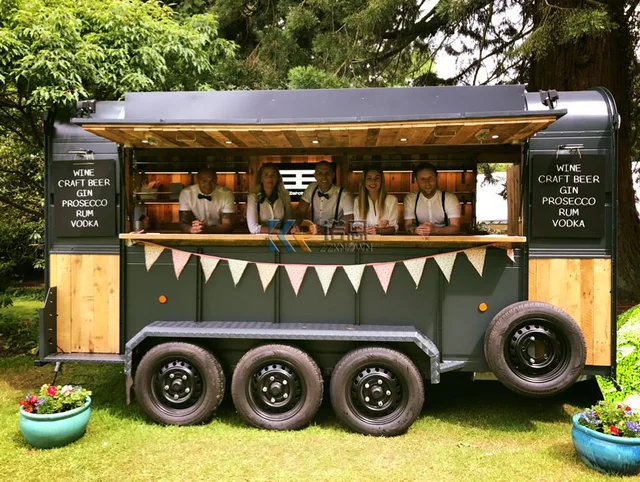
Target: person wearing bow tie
(324,203)
(268,201)
(206,207)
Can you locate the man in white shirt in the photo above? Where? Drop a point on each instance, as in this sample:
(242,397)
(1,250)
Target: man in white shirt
(206,207)
(430,211)
(324,203)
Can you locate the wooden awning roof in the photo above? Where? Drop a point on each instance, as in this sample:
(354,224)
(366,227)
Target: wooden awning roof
(448,132)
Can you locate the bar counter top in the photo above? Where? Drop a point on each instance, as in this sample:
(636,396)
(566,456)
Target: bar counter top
(183,239)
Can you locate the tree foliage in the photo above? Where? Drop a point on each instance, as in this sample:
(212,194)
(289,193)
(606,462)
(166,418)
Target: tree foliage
(54,52)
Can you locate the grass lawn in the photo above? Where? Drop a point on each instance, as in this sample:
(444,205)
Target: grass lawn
(467,431)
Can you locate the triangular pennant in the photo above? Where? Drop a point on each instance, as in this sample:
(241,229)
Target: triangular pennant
(208,265)
(237,266)
(266,272)
(384,272)
(325,274)
(476,257)
(415,268)
(180,259)
(151,254)
(296,275)
(511,255)
(354,272)
(445,261)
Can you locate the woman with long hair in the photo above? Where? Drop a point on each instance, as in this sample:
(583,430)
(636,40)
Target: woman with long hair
(373,207)
(269,200)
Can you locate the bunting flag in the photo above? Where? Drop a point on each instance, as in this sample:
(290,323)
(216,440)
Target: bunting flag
(237,266)
(476,257)
(151,254)
(415,268)
(511,255)
(266,272)
(296,275)
(508,247)
(445,261)
(325,274)
(208,265)
(384,272)
(180,259)
(354,272)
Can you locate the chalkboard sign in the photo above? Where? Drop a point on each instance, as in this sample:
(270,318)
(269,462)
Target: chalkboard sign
(84,197)
(568,195)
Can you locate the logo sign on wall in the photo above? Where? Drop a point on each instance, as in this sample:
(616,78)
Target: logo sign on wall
(84,198)
(296,178)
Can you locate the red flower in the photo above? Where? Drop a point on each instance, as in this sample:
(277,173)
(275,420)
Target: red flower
(627,408)
(23,403)
(614,430)
(28,409)
(52,390)
(33,399)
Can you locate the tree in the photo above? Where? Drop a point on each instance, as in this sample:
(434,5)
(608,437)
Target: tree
(54,52)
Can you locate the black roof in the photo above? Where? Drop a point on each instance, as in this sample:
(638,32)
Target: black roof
(317,106)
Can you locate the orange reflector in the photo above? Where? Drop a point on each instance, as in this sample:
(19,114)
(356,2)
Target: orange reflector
(162,299)
(483,307)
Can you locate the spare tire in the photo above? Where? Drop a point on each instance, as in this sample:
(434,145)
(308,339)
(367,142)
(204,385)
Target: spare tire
(535,349)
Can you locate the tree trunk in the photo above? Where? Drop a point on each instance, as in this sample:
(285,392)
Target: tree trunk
(603,61)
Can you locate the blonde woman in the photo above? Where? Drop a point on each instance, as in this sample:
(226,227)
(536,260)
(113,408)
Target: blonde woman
(374,208)
(269,200)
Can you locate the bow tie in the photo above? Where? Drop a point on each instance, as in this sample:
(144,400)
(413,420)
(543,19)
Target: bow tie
(323,194)
(204,196)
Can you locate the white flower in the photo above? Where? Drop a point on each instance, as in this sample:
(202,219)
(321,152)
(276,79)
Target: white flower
(67,390)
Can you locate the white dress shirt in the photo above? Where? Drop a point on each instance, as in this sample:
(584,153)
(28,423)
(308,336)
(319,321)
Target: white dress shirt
(389,214)
(324,209)
(431,209)
(256,218)
(222,202)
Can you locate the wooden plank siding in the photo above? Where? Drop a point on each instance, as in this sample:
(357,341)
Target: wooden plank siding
(88,298)
(582,288)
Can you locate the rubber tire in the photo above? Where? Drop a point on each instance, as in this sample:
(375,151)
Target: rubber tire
(401,365)
(304,366)
(505,322)
(211,374)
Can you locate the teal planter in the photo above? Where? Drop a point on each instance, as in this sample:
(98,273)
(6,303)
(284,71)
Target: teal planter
(55,429)
(606,453)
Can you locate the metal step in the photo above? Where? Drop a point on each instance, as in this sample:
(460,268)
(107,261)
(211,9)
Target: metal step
(81,357)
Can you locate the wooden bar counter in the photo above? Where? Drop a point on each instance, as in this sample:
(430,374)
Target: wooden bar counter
(183,239)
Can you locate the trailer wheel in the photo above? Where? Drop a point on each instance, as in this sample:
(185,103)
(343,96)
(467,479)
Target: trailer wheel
(277,387)
(535,348)
(377,391)
(179,384)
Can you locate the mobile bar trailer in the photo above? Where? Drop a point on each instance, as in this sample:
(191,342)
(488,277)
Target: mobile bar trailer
(186,313)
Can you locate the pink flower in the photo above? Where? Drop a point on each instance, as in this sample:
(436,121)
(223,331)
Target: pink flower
(52,390)
(33,399)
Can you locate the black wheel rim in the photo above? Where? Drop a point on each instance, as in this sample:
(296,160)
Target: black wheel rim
(537,351)
(177,387)
(276,390)
(376,394)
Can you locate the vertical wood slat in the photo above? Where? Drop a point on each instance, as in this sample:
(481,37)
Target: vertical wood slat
(88,301)
(582,288)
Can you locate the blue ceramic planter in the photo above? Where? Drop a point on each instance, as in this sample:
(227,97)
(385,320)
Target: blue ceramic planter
(606,453)
(55,429)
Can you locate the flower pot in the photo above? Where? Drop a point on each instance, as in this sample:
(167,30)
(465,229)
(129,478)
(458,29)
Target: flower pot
(606,453)
(55,429)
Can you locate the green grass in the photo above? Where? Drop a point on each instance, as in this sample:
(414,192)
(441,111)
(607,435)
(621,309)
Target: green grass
(19,326)
(466,432)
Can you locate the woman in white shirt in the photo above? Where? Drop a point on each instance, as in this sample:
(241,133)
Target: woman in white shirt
(373,206)
(269,200)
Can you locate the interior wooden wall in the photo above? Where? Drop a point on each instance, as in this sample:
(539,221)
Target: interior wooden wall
(514,203)
(88,302)
(582,288)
